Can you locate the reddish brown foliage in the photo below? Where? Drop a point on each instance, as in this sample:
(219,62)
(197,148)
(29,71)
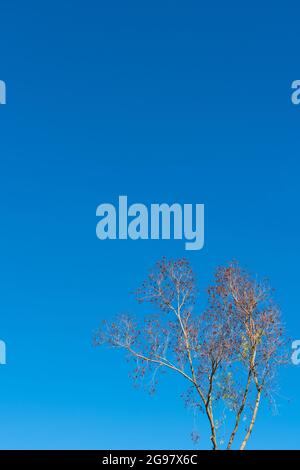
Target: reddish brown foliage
(229,354)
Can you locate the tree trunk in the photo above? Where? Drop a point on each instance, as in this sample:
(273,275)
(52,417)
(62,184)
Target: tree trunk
(213,436)
(252,420)
(240,411)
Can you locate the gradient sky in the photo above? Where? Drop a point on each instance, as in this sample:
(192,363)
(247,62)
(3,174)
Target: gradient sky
(164,101)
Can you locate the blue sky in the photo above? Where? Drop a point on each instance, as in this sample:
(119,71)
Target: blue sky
(164,102)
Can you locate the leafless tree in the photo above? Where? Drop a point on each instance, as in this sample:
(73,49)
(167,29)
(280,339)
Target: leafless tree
(228,354)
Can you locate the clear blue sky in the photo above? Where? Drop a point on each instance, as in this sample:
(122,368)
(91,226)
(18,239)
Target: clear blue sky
(163,101)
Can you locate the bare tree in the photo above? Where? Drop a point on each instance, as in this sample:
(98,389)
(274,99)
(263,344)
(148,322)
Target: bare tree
(228,354)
